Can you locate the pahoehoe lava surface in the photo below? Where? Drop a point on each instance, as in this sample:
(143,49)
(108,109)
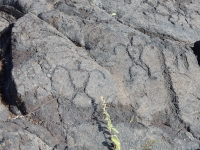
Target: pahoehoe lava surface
(58,57)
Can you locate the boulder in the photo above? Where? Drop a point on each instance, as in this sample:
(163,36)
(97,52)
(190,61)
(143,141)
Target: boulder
(64,55)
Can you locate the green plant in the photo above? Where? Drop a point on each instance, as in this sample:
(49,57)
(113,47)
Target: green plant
(114,137)
(113,14)
(111,128)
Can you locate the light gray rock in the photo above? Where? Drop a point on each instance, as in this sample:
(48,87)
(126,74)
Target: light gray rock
(4,113)
(53,89)
(67,54)
(14,136)
(178,20)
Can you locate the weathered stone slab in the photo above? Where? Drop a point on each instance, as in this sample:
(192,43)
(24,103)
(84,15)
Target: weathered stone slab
(66,54)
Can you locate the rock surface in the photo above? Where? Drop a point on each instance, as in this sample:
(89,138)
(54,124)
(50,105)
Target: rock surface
(59,57)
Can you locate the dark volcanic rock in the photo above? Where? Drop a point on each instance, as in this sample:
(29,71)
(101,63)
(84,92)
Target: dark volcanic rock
(20,134)
(62,56)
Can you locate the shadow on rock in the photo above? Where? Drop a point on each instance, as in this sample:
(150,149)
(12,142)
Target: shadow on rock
(102,127)
(196,50)
(16,106)
(107,137)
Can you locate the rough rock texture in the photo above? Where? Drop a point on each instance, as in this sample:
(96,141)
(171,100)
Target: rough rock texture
(59,57)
